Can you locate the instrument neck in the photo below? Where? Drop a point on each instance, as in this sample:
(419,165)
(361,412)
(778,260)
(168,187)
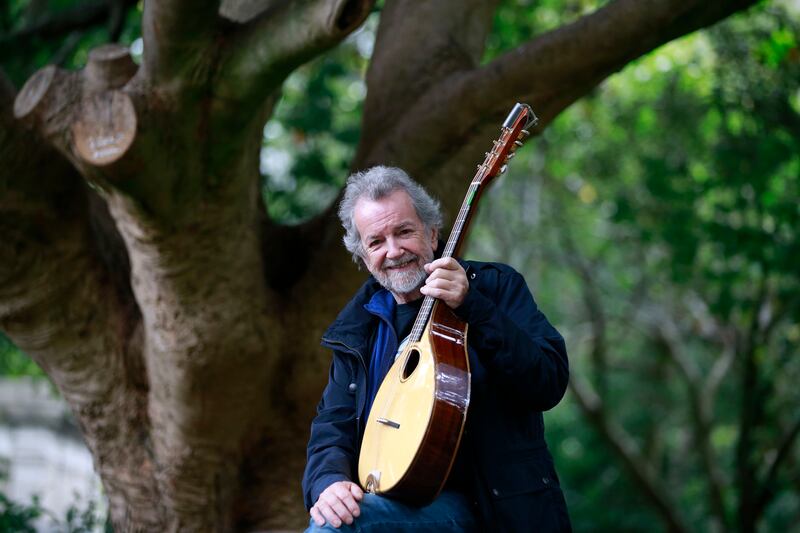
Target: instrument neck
(451,249)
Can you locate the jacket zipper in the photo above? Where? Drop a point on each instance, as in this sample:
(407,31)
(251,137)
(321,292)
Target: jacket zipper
(332,344)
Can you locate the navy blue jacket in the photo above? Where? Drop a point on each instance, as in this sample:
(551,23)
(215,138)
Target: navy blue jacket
(519,368)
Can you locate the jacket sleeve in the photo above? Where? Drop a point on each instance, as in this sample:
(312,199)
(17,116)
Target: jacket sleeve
(513,338)
(331,451)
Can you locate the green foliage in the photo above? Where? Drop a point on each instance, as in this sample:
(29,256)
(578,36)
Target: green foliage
(21,518)
(16,517)
(670,195)
(311,139)
(86,520)
(517,21)
(14,363)
(22,56)
(24,518)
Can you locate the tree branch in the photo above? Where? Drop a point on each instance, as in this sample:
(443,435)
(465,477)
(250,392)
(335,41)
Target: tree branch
(785,447)
(418,46)
(178,38)
(639,469)
(594,307)
(751,409)
(575,57)
(667,331)
(265,50)
(641,472)
(242,11)
(550,72)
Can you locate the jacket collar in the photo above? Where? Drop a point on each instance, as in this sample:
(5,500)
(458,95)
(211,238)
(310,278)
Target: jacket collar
(352,326)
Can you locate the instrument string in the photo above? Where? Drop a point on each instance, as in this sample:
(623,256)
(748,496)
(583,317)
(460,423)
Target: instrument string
(427,305)
(426,309)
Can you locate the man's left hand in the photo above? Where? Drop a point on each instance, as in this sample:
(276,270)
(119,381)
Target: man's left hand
(447,281)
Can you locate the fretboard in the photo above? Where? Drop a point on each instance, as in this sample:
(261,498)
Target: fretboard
(457,236)
(521,117)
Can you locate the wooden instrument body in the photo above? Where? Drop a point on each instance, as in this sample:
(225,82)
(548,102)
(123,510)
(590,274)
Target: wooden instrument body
(429,404)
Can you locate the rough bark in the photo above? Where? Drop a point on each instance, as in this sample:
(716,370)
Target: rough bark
(59,302)
(140,270)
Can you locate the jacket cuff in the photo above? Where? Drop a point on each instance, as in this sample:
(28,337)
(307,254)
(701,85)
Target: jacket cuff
(322,483)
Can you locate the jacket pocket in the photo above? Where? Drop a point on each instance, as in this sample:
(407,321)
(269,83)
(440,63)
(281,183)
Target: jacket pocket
(525,495)
(522,472)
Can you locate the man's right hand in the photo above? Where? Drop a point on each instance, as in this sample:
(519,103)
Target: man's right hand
(338,503)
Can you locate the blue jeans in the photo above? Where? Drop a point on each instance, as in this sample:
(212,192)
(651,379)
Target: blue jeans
(450,512)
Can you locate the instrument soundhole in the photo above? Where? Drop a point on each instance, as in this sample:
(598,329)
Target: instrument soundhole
(411,364)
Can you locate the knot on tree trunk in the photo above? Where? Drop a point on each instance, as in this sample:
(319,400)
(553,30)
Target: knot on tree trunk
(44,102)
(86,116)
(110,66)
(105,127)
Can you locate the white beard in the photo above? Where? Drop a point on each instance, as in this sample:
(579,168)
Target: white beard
(406,281)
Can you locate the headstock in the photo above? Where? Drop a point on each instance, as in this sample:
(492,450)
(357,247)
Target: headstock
(515,129)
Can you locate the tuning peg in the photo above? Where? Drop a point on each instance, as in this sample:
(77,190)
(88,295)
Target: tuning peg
(518,143)
(526,133)
(510,155)
(503,168)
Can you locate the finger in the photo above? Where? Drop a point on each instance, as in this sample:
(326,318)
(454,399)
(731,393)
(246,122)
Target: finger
(356,491)
(449,289)
(346,497)
(438,282)
(317,516)
(433,292)
(452,298)
(446,263)
(440,273)
(458,275)
(341,511)
(330,516)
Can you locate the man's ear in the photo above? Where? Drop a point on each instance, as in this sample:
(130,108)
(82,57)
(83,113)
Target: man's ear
(434,238)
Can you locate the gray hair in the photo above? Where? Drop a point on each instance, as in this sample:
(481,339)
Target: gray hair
(376,183)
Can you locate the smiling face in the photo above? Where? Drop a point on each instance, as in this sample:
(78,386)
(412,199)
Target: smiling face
(396,243)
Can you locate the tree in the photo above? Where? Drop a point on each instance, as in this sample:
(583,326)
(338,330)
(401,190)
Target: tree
(141,271)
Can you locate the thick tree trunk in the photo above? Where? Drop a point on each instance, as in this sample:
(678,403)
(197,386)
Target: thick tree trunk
(139,269)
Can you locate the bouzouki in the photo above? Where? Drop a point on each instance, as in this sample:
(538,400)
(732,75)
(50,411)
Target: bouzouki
(414,428)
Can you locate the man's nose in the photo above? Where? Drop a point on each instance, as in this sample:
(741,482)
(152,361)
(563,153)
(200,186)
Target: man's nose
(393,248)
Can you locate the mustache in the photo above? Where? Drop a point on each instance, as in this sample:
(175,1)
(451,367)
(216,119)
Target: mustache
(400,261)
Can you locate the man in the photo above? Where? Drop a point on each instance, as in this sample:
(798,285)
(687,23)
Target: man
(503,478)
